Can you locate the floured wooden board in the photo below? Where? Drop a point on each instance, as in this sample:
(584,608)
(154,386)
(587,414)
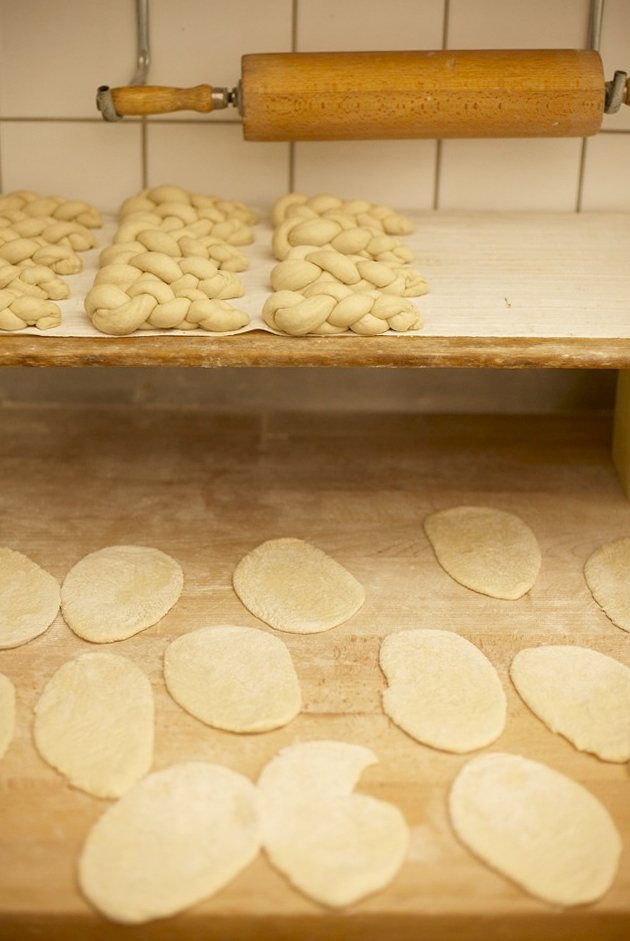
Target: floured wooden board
(216,487)
(502,276)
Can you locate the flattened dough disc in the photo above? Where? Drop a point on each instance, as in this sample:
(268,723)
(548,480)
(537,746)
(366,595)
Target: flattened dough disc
(541,829)
(116,592)
(333,845)
(94,723)
(295,587)
(7,712)
(490,551)
(236,678)
(29,599)
(607,573)
(442,690)
(580,693)
(175,838)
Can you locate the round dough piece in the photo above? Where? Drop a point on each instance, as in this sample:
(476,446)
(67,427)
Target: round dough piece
(175,838)
(580,693)
(240,679)
(490,551)
(331,844)
(7,713)
(94,723)
(607,573)
(541,829)
(442,690)
(295,587)
(119,591)
(29,599)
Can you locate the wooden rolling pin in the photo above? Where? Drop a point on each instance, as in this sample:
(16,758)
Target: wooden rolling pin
(378,95)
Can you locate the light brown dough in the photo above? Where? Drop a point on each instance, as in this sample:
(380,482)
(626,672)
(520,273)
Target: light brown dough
(94,723)
(174,839)
(541,829)
(490,551)
(442,690)
(331,844)
(295,587)
(236,678)
(29,599)
(7,713)
(580,693)
(116,592)
(607,573)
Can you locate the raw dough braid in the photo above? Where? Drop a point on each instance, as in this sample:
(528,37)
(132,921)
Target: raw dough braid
(63,210)
(340,234)
(153,290)
(308,265)
(26,251)
(366,214)
(179,243)
(330,307)
(34,281)
(222,209)
(232,231)
(71,234)
(21,310)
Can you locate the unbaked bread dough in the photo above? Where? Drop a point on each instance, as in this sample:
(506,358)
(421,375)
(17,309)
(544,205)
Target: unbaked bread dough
(175,838)
(114,593)
(29,599)
(607,573)
(236,678)
(295,587)
(94,723)
(580,693)
(331,844)
(442,690)
(490,551)
(7,712)
(541,829)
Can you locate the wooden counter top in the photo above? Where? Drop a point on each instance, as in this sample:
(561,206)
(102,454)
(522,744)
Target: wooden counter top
(207,489)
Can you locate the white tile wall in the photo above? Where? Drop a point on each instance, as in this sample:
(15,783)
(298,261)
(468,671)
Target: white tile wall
(536,173)
(77,160)
(397,173)
(354,25)
(54,54)
(217,161)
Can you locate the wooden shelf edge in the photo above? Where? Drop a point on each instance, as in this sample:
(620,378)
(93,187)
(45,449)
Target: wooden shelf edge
(268,350)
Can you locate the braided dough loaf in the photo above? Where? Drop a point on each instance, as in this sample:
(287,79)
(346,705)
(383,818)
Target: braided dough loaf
(34,281)
(178,243)
(170,207)
(23,310)
(37,251)
(63,210)
(330,307)
(369,215)
(153,290)
(341,234)
(307,265)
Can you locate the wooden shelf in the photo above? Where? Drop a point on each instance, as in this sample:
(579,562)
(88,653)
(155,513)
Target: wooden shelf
(208,488)
(263,349)
(507,289)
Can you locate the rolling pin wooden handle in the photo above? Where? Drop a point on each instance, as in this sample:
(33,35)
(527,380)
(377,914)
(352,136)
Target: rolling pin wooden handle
(161,99)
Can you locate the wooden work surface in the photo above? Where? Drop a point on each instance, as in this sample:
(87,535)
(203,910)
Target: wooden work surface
(207,489)
(507,289)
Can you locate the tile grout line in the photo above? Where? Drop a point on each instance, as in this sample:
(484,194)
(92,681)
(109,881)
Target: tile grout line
(294,34)
(438,143)
(46,120)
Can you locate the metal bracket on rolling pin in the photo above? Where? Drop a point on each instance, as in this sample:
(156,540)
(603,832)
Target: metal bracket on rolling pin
(104,101)
(616,92)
